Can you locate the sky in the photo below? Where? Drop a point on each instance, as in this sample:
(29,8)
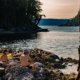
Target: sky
(60,8)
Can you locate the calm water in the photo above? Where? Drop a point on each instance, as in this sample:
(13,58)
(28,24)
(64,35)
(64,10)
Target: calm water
(63,41)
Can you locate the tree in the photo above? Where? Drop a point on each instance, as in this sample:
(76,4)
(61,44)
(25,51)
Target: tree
(77,18)
(19,12)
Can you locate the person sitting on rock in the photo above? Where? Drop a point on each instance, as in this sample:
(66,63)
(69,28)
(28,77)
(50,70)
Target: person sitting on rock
(78,76)
(25,59)
(4,57)
(10,54)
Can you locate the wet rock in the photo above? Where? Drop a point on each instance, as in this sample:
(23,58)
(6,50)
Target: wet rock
(54,56)
(70,60)
(59,66)
(47,67)
(43,73)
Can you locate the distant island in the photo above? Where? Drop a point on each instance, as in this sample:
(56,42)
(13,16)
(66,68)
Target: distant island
(52,22)
(62,22)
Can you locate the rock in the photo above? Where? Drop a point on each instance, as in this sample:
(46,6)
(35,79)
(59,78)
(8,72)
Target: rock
(20,73)
(59,66)
(47,67)
(70,60)
(38,64)
(54,56)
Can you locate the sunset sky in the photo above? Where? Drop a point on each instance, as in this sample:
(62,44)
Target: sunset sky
(60,8)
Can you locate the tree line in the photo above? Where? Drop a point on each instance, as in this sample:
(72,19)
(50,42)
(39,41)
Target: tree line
(19,12)
(77,18)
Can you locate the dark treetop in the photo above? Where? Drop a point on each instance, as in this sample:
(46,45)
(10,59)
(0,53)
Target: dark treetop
(18,13)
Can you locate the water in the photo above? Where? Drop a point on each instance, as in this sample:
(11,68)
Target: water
(63,41)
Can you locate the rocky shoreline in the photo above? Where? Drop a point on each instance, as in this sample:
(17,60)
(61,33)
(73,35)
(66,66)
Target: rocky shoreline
(48,67)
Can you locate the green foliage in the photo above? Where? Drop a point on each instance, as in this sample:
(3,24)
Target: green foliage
(77,18)
(19,12)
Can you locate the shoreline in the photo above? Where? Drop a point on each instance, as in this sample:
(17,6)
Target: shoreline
(21,34)
(50,61)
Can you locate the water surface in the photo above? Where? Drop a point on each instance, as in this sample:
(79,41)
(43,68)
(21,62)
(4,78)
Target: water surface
(63,41)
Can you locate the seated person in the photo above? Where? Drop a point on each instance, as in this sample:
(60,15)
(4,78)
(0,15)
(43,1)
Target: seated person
(25,59)
(10,54)
(4,58)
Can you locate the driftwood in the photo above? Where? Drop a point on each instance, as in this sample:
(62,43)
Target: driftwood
(78,77)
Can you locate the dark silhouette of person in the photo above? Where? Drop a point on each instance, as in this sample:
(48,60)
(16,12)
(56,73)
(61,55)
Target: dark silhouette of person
(78,77)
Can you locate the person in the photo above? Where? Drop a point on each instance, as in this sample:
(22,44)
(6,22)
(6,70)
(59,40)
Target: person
(0,52)
(10,54)
(25,60)
(4,57)
(78,76)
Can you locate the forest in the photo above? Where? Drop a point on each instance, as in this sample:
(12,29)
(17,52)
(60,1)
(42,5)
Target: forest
(16,13)
(77,18)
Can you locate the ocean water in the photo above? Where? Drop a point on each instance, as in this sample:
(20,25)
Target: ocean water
(62,41)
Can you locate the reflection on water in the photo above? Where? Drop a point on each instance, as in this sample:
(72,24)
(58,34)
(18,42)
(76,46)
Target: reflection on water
(63,28)
(7,39)
(62,41)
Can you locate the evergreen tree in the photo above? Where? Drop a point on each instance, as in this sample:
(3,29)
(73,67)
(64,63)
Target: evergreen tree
(19,12)
(77,18)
